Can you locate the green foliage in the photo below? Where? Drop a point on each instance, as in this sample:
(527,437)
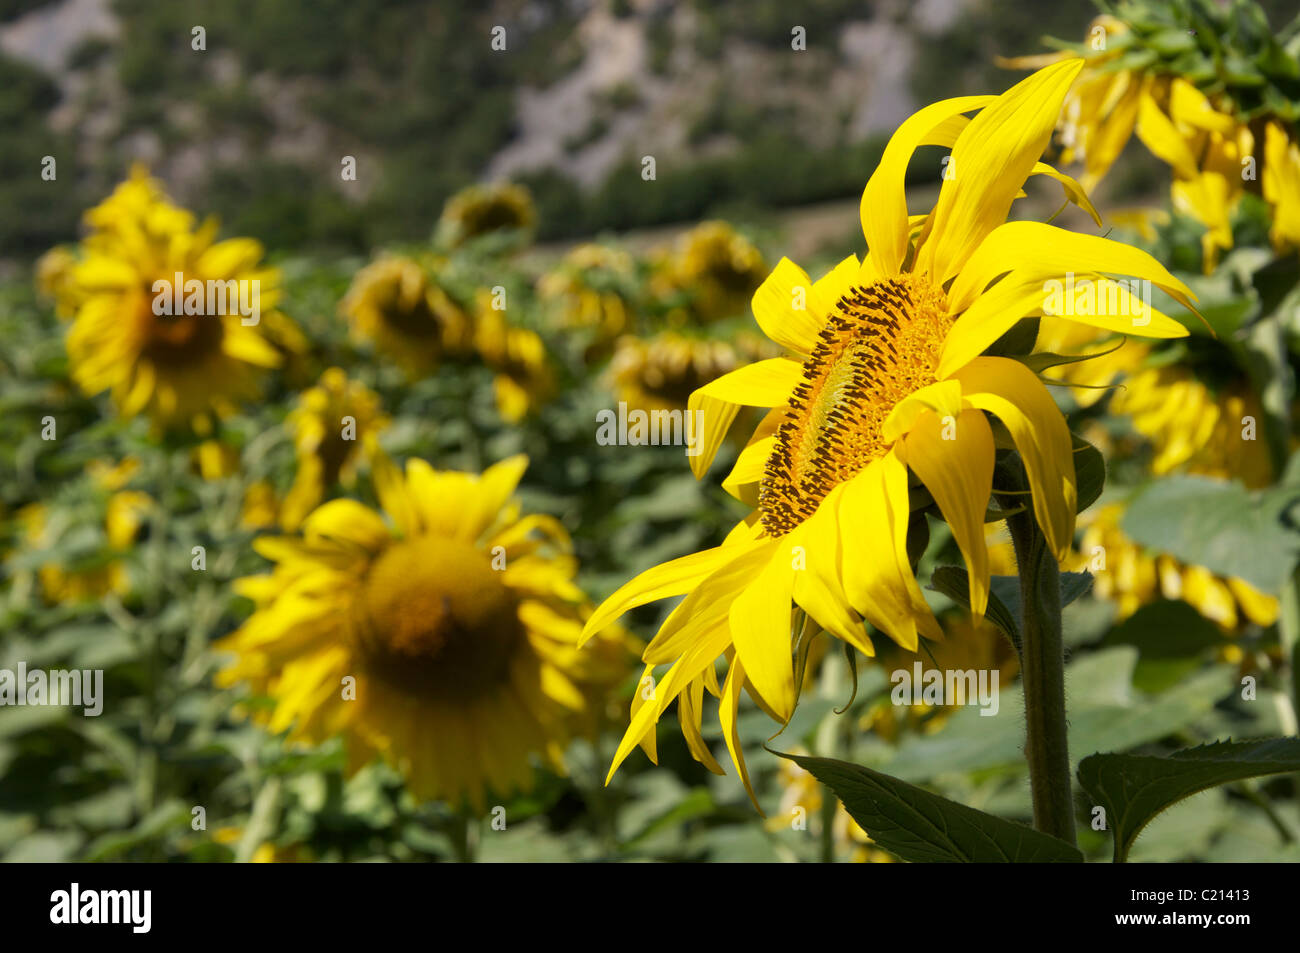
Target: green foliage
(1135,788)
(922,827)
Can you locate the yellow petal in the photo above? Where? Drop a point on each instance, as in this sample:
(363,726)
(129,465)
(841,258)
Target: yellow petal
(760,630)
(958,472)
(884,204)
(727,711)
(784,308)
(1010,390)
(990,162)
(943,398)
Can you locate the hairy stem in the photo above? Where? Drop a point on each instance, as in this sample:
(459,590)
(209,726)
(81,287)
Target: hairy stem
(1043,676)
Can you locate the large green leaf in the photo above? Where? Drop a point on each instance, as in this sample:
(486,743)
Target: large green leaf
(922,827)
(1135,788)
(1219,525)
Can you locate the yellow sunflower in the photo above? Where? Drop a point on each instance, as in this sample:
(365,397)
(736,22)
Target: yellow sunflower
(590,290)
(178,354)
(715,269)
(124,512)
(441,639)
(400,305)
(522,376)
(1193,428)
(480,209)
(334,425)
(885,373)
(1205,136)
(661,372)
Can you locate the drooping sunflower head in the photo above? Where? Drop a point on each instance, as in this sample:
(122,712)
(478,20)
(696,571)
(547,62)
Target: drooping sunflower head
(401,306)
(714,269)
(335,423)
(661,372)
(885,385)
(481,209)
(592,289)
(1196,82)
(441,639)
(168,320)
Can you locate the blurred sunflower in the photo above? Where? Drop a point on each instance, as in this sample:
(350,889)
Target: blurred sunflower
(661,372)
(441,639)
(714,268)
(104,571)
(522,376)
(54,280)
(1132,577)
(591,289)
(334,424)
(1198,84)
(179,369)
(885,373)
(1194,427)
(480,209)
(401,306)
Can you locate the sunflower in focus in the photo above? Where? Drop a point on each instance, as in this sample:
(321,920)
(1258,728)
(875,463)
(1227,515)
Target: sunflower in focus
(481,209)
(1198,84)
(334,424)
(401,306)
(885,373)
(714,269)
(178,368)
(1131,577)
(440,638)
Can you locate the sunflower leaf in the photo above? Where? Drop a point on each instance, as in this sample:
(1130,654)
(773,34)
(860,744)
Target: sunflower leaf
(920,826)
(953,582)
(1133,789)
(1089,473)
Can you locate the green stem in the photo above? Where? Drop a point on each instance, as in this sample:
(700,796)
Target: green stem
(1042,664)
(1289,636)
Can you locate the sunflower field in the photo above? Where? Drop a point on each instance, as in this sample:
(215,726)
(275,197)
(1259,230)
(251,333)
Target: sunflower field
(974,535)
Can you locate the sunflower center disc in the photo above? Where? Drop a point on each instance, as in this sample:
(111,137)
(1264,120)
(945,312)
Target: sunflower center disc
(880,344)
(178,339)
(434,619)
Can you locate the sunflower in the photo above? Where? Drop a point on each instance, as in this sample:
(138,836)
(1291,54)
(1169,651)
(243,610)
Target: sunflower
(334,425)
(481,209)
(714,268)
(1197,92)
(592,289)
(1195,428)
(885,372)
(54,281)
(178,368)
(441,639)
(402,307)
(661,372)
(522,376)
(1132,577)
(103,571)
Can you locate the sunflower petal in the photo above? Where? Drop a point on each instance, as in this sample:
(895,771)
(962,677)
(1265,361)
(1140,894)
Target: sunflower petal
(1009,390)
